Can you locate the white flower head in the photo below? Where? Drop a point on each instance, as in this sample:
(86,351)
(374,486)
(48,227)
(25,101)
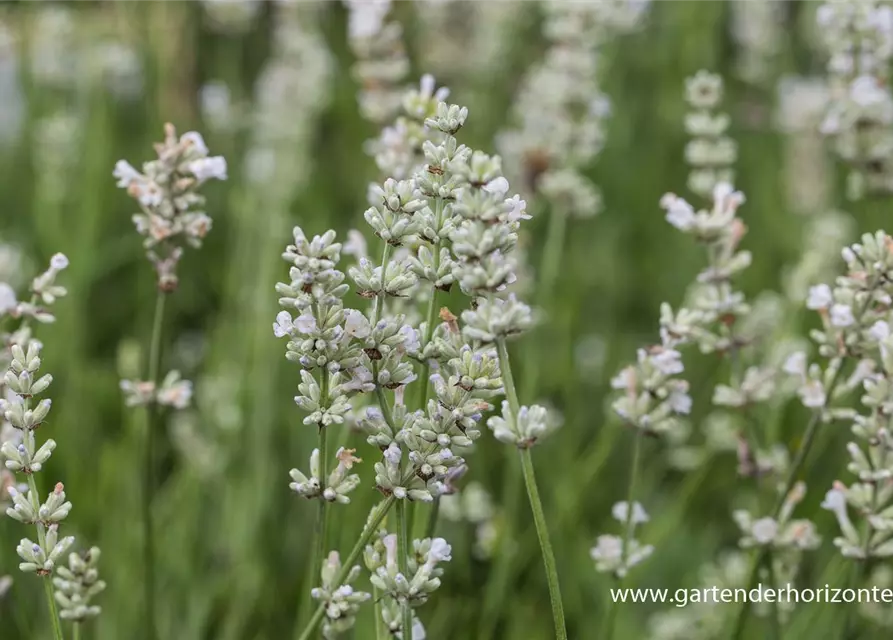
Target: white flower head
(305,323)
(195,140)
(764,530)
(497,186)
(213,168)
(820,297)
(620,512)
(283,325)
(668,361)
(795,364)
(879,331)
(842,316)
(517,209)
(8,300)
(59,261)
(835,502)
(680,214)
(356,324)
(812,394)
(126,174)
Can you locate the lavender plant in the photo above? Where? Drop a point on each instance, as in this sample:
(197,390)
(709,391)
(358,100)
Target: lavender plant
(24,455)
(859,38)
(458,226)
(171,218)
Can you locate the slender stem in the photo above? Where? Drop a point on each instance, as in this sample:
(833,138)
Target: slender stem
(628,527)
(367,534)
(432,518)
(549,267)
(76,631)
(775,617)
(376,604)
(403,563)
(149,470)
(47,580)
(320,533)
(542,531)
(51,603)
(533,495)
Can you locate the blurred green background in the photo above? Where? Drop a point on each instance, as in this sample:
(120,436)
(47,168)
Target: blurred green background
(84,84)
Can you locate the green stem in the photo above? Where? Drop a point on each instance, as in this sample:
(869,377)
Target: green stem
(76,631)
(47,580)
(432,518)
(629,525)
(533,495)
(549,267)
(403,563)
(320,534)
(368,532)
(149,469)
(775,617)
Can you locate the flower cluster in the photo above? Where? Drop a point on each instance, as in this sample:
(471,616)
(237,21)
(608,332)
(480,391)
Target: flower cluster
(44,292)
(24,456)
(382,64)
(652,396)
(291,90)
(859,39)
(710,152)
(77,585)
(339,598)
(758,29)
(871,462)
(778,533)
(336,486)
(398,148)
(618,554)
(414,588)
(168,191)
(561,110)
(715,305)
(850,313)
(173,392)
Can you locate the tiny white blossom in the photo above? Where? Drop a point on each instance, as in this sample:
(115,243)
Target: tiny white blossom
(842,316)
(819,297)
(835,502)
(764,530)
(795,364)
(209,168)
(518,209)
(195,139)
(498,186)
(125,173)
(59,261)
(283,325)
(680,214)
(8,300)
(305,323)
(879,331)
(668,361)
(812,394)
(356,324)
(620,512)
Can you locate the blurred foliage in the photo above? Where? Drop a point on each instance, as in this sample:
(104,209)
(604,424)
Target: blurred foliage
(233,540)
